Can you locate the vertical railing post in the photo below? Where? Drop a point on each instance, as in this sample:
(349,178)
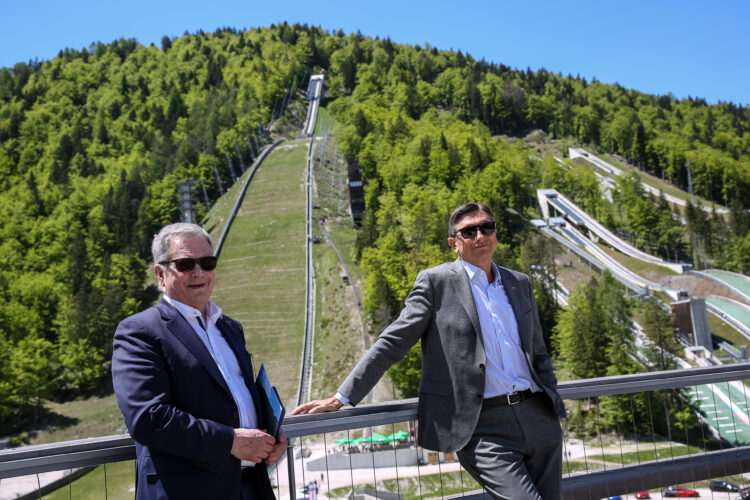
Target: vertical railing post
(290,470)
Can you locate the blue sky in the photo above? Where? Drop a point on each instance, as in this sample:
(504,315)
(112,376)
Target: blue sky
(686,47)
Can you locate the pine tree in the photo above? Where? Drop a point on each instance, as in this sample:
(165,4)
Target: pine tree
(580,337)
(657,325)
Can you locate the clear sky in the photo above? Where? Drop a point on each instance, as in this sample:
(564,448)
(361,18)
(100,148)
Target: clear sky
(686,47)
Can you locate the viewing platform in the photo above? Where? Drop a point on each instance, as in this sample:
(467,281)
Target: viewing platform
(634,461)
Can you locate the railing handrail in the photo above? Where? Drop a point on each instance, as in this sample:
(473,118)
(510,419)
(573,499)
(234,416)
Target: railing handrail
(93,451)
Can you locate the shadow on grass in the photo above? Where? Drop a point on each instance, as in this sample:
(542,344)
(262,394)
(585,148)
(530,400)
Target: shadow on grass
(27,425)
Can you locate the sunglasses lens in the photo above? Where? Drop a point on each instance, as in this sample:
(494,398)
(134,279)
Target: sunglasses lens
(470,232)
(184,265)
(188,264)
(487,228)
(208,263)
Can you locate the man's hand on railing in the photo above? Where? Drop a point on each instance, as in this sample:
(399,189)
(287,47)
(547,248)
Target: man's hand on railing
(318,406)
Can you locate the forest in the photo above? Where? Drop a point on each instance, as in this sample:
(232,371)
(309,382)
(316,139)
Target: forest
(94,141)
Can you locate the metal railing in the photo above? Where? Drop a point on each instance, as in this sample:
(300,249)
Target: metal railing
(305,378)
(590,483)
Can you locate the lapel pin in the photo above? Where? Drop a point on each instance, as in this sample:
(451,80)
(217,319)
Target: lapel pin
(512,288)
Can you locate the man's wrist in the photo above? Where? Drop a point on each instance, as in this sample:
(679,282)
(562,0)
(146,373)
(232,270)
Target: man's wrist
(342,399)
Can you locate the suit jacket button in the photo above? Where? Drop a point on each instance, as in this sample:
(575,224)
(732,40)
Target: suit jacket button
(481,366)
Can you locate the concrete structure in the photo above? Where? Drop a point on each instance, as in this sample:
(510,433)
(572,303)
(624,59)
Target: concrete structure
(691,317)
(356,190)
(386,457)
(314,93)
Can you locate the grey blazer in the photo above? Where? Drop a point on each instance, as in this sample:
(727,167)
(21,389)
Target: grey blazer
(440,310)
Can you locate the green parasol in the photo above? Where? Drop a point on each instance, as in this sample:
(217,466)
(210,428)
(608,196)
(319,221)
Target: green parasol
(379,438)
(399,435)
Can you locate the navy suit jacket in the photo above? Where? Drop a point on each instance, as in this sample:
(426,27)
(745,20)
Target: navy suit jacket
(179,409)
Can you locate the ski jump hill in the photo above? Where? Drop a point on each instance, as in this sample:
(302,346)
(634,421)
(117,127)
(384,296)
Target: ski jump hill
(577,217)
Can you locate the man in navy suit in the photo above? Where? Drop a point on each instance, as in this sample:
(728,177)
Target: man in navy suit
(186,387)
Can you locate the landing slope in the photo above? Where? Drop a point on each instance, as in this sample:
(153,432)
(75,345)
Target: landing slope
(260,279)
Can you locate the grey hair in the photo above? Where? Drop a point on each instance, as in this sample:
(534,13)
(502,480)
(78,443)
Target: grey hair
(161,246)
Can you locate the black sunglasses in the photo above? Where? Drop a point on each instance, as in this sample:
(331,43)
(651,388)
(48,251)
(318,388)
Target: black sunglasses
(185,264)
(470,232)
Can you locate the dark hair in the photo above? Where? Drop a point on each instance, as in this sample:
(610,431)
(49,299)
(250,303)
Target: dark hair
(464,209)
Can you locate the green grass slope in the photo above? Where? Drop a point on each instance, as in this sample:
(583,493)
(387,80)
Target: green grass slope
(260,279)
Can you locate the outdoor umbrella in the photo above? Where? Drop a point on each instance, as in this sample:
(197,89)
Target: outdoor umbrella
(399,435)
(379,438)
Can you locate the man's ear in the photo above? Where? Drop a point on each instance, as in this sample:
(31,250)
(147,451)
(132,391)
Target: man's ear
(159,272)
(452,243)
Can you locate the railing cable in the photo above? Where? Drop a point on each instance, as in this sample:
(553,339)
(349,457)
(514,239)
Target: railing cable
(374,475)
(637,440)
(682,399)
(328,473)
(395,459)
(440,475)
(653,430)
(351,470)
(601,441)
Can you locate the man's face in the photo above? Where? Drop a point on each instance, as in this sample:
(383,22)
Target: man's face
(479,249)
(193,287)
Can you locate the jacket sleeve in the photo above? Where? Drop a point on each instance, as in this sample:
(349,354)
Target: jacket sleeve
(393,343)
(140,375)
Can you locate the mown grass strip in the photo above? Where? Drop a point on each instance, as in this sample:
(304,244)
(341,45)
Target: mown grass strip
(260,280)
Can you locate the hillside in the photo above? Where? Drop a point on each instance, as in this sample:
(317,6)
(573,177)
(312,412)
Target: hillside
(93,142)
(261,279)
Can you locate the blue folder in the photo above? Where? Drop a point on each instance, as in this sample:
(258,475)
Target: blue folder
(270,404)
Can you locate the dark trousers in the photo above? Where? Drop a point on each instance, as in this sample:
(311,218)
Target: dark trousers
(255,484)
(516,451)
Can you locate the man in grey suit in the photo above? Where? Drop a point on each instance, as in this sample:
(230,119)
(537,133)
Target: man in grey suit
(487,389)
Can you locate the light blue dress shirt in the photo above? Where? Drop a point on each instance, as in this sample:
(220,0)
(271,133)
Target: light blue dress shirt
(507,369)
(225,359)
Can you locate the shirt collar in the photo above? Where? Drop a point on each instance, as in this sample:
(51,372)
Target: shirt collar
(476,273)
(213,312)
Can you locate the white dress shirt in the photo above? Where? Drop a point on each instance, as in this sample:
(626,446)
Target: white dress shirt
(507,369)
(225,359)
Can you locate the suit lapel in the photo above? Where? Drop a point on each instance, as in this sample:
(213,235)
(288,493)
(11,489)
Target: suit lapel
(462,289)
(182,330)
(513,292)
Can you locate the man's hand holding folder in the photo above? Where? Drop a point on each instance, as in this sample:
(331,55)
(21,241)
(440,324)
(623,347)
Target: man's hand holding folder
(253,446)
